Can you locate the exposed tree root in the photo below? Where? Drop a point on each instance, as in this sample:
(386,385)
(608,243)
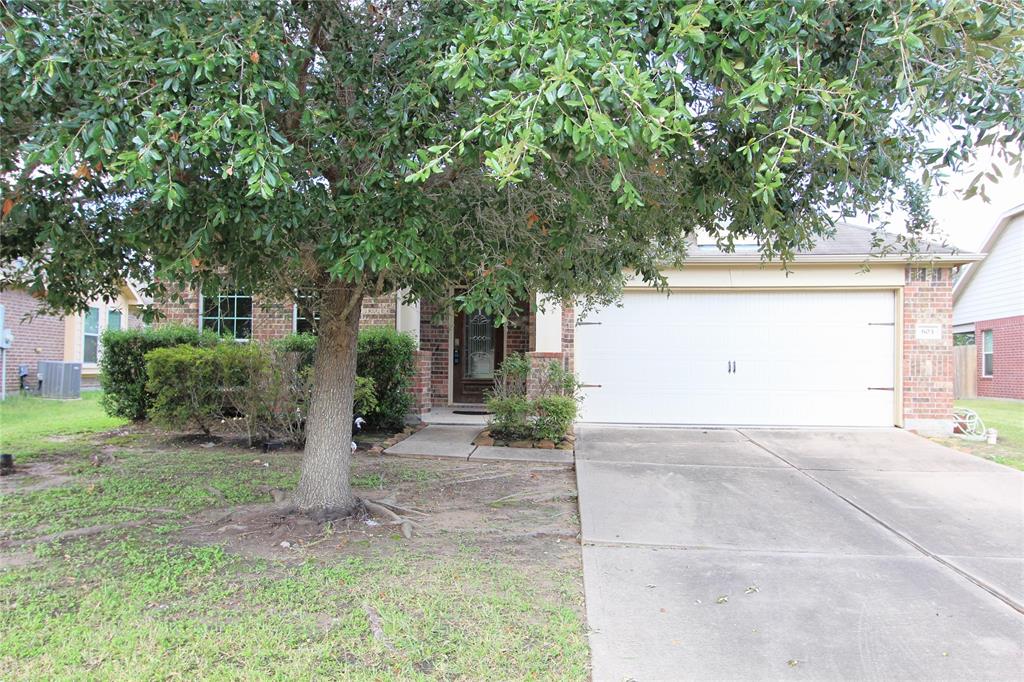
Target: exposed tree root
(381,511)
(247,520)
(71,534)
(399,510)
(373,617)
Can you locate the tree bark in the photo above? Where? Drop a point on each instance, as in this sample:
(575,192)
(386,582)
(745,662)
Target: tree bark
(324,490)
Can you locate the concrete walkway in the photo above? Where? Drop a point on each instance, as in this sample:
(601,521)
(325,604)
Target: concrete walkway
(798,555)
(456,441)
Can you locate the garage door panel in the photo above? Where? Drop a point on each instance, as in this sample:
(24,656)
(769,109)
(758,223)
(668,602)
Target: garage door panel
(800,357)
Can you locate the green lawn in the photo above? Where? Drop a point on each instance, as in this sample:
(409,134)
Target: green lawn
(1006,417)
(29,424)
(129,570)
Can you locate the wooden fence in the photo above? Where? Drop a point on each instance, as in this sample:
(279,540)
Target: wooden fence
(965,372)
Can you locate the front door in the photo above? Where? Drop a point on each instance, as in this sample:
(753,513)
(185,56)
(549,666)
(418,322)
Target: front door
(478,351)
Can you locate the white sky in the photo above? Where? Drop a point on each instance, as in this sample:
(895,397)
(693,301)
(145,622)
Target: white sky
(967,223)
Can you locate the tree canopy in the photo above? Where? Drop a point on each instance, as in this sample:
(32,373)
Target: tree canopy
(511,145)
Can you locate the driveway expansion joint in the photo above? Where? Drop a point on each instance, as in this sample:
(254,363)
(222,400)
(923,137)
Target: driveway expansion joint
(1006,599)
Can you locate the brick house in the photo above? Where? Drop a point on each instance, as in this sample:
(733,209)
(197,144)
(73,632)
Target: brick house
(73,338)
(733,341)
(988,308)
(36,336)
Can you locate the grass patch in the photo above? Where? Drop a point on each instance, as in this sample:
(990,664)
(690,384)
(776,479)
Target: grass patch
(145,484)
(135,610)
(151,601)
(27,422)
(1006,417)
(390,475)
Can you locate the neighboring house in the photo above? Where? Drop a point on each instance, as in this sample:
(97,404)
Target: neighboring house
(82,332)
(74,338)
(36,336)
(988,302)
(736,341)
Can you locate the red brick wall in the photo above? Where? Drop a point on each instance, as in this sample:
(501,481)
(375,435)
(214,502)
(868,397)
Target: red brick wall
(539,361)
(381,311)
(928,365)
(569,336)
(40,338)
(519,333)
(184,312)
(421,384)
(271,319)
(274,319)
(1007,380)
(434,340)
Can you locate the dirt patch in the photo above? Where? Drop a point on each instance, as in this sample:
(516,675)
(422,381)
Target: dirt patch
(33,476)
(18,560)
(524,513)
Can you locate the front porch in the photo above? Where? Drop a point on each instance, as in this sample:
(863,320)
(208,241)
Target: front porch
(457,353)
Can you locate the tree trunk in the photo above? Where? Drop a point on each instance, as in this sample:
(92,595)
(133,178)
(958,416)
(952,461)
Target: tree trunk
(324,490)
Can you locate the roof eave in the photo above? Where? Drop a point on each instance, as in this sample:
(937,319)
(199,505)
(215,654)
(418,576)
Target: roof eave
(838,259)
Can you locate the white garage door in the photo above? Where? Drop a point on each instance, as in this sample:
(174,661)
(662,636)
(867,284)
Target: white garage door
(787,358)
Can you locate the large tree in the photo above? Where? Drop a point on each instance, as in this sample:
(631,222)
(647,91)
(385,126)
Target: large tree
(344,148)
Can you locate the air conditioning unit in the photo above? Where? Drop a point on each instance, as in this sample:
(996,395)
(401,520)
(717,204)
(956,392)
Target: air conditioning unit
(60,379)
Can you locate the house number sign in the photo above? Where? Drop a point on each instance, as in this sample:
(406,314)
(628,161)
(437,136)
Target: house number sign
(928,332)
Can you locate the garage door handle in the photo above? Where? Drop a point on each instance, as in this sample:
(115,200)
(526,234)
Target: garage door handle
(590,385)
(881,388)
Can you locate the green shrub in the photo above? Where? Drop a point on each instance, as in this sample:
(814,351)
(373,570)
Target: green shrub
(511,417)
(365,396)
(387,357)
(556,380)
(554,416)
(193,386)
(511,377)
(263,389)
(304,345)
(546,414)
(123,365)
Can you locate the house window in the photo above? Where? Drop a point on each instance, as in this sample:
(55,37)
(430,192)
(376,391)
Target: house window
(987,353)
(306,321)
(91,336)
(114,319)
(227,315)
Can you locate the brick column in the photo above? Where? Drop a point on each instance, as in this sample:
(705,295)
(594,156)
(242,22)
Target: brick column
(539,362)
(421,388)
(434,340)
(569,336)
(927,357)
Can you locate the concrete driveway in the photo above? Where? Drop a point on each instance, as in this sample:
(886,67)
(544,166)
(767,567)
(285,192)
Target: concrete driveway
(798,555)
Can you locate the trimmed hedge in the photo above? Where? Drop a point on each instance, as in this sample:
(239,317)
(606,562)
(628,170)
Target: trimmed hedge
(303,345)
(388,357)
(193,386)
(261,388)
(123,365)
(386,363)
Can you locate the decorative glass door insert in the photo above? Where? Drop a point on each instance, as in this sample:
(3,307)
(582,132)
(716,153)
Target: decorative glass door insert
(479,346)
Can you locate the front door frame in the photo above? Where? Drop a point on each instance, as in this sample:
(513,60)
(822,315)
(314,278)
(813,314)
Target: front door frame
(456,384)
